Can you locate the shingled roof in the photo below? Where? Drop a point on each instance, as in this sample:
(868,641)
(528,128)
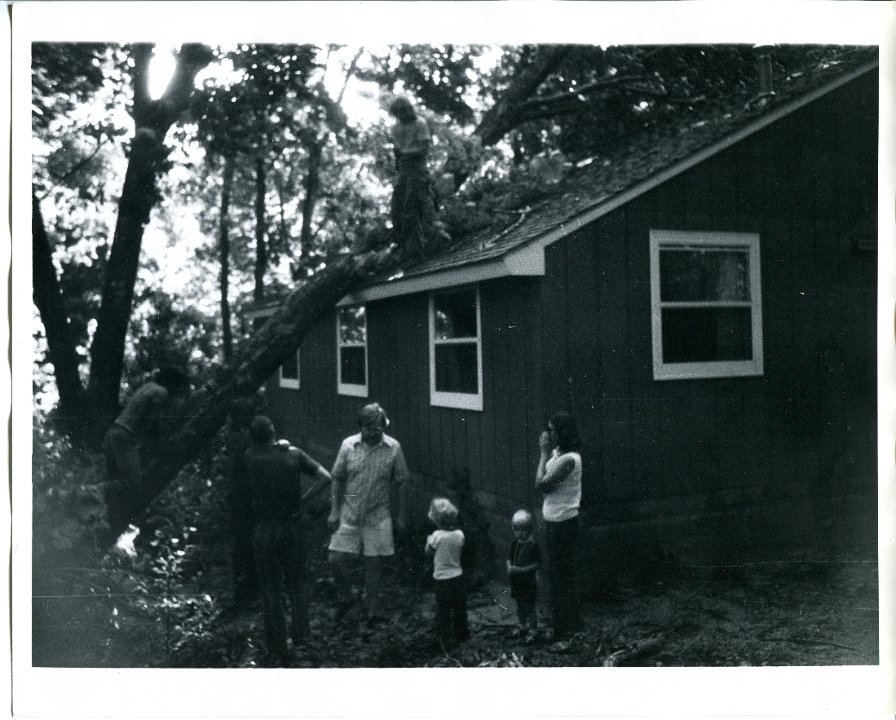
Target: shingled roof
(638,163)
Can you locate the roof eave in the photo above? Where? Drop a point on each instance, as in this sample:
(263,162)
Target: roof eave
(516,265)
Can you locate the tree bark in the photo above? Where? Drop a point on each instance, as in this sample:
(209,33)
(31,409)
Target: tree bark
(268,349)
(261,254)
(152,120)
(49,300)
(224,252)
(506,114)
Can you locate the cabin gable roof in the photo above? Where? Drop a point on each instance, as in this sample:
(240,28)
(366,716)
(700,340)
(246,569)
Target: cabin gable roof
(639,164)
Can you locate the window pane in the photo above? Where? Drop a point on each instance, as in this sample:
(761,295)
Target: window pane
(352,324)
(711,274)
(351,363)
(707,334)
(455,315)
(456,369)
(290,369)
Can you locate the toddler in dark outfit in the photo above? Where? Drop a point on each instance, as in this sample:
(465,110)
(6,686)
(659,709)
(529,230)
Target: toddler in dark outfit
(522,569)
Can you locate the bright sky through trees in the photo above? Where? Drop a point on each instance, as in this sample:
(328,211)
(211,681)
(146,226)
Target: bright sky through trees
(160,70)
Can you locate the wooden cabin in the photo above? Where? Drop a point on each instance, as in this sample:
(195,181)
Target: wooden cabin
(703,301)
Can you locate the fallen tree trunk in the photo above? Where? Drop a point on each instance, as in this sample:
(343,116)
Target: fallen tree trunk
(271,346)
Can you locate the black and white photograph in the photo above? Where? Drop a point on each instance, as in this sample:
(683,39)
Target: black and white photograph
(455,349)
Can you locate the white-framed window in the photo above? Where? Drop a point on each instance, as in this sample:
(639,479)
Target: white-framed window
(455,349)
(289,372)
(706,302)
(351,350)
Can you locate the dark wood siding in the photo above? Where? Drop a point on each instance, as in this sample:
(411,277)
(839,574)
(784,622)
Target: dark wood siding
(655,448)
(580,338)
(514,409)
(497,445)
(315,415)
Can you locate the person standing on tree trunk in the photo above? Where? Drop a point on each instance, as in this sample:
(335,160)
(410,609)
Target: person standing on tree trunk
(413,205)
(369,468)
(144,421)
(273,470)
(559,478)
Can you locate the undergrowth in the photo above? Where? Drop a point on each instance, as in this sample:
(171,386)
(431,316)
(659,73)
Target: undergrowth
(163,597)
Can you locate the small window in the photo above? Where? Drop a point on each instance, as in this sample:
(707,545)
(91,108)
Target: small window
(351,346)
(706,304)
(455,352)
(289,373)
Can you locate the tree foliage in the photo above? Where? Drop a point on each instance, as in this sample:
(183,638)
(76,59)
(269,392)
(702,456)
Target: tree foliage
(147,158)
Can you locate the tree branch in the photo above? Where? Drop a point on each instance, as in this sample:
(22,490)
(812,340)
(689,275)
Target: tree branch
(570,104)
(505,114)
(348,74)
(191,58)
(542,102)
(77,166)
(48,298)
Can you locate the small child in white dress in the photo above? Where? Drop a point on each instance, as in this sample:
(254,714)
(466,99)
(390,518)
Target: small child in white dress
(445,545)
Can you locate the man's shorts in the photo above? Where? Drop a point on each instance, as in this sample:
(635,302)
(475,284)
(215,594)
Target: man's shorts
(374,538)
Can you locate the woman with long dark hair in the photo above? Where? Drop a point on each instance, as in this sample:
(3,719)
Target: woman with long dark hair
(559,478)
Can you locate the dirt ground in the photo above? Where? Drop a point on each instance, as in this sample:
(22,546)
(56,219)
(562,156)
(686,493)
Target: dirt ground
(808,607)
(803,611)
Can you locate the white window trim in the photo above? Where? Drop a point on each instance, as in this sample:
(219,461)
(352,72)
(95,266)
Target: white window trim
(728,368)
(460,401)
(352,389)
(292,383)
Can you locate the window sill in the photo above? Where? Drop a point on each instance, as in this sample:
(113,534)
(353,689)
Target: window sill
(458,401)
(352,390)
(708,370)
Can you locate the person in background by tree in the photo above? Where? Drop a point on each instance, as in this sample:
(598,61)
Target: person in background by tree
(559,478)
(274,472)
(369,468)
(239,505)
(146,419)
(413,202)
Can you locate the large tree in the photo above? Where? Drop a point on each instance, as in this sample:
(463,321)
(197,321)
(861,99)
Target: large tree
(152,119)
(70,174)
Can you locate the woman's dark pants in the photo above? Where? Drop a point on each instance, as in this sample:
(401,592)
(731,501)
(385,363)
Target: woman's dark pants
(562,544)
